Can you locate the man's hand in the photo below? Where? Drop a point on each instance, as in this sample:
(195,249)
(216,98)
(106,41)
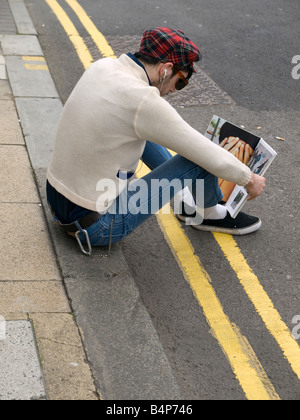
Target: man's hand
(255,186)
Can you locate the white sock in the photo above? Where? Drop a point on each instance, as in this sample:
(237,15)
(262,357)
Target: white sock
(211,213)
(215,212)
(185,195)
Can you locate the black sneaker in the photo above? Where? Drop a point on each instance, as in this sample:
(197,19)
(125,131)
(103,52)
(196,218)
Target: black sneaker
(241,225)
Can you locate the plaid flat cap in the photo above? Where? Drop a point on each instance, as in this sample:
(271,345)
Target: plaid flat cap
(170,45)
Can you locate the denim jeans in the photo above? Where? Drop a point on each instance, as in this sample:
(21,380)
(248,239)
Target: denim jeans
(111,228)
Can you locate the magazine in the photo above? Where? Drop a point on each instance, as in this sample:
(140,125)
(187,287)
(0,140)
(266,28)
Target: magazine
(250,149)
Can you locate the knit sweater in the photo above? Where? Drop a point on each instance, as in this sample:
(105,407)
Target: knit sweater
(103,128)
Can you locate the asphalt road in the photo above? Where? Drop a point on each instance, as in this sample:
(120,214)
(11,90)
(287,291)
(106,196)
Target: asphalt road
(248,49)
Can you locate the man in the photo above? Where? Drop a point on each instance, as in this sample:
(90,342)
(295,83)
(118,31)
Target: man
(115,116)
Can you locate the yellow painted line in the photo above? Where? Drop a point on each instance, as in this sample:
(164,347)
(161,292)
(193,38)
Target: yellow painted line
(245,365)
(43,67)
(78,43)
(96,35)
(256,364)
(241,357)
(33,58)
(32,65)
(261,301)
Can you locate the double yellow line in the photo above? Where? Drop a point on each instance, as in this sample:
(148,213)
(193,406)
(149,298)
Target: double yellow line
(78,43)
(244,363)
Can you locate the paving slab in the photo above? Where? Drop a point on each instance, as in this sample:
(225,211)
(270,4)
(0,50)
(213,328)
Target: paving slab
(2,328)
(25,249)
(10,130)
(7,23)
(18,349)
(14,316)
(32,296)
(5,91)
(16,176)
(67,374)
(21,17)
(20,45)
(39,120)
(30,77)
(3,75)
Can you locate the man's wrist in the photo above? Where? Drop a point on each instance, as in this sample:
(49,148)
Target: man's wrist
(251,182)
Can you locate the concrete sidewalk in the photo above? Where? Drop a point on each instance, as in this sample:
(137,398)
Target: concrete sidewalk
(41,351)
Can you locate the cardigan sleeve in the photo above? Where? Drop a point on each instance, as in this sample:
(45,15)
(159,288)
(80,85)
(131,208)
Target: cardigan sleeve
(157,121)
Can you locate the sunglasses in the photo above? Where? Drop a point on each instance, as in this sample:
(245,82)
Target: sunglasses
(182,82)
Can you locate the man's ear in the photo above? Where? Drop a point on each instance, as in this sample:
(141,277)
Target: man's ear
(166,70)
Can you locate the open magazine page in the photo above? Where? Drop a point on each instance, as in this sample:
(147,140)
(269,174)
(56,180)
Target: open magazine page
(260,160)
(252,150)
(236,200)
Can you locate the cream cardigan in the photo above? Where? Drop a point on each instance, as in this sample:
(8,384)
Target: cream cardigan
(108,117)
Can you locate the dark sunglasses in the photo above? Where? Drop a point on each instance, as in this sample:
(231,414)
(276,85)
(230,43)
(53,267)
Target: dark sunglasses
(182,82)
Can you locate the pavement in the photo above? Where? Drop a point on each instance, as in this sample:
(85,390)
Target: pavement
(48,348)
(41,350)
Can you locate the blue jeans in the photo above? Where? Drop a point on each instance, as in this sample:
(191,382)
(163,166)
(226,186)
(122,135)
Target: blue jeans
(111,228)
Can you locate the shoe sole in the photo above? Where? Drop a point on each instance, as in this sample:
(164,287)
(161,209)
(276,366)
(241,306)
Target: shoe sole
(230,231)
(181,218)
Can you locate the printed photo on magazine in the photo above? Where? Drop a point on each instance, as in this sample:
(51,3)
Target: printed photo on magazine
(250,149)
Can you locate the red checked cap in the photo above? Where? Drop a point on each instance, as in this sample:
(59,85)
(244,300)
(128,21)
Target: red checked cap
(169,45)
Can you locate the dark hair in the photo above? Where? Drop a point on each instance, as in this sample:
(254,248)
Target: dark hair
(152,61)
(188,69)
